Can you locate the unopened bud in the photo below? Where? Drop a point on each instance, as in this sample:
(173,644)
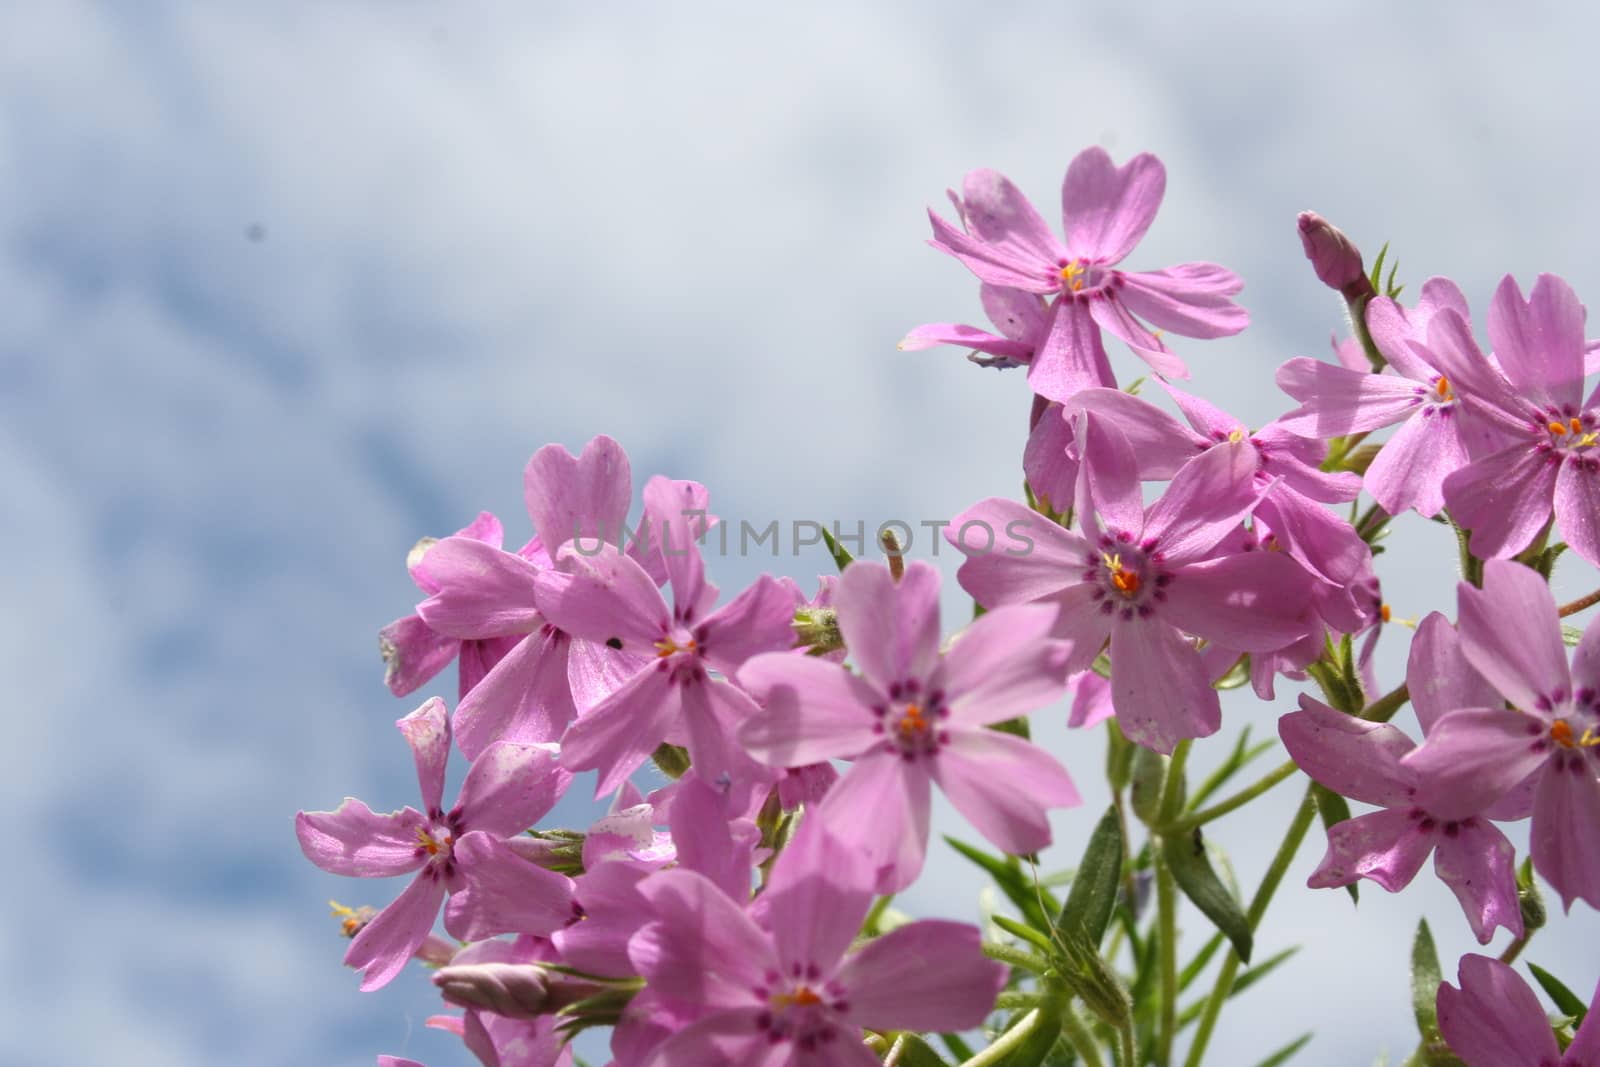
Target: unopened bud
(1336,261)
(515,990)
(1529,900)
(817,630)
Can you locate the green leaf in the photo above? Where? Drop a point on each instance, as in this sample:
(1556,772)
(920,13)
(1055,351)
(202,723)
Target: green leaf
(841,558)
(915,1052)
(1246,980)
(958,1047)
(1017,727)
(1027,933)
(1034,902)
(1424,998)
(1094,889)
(1564,998)
(1334,809)
(1094,982)
(1149,772)
(1241,757)
(1186,855)
(1192,969)
(1376,277)
(1282,1055)
(1033,1051)
(1236,675)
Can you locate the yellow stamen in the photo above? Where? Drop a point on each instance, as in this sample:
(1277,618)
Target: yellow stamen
(429,843)
(1237,435)
(803,997)
(1588,439)
(667,646)
(1124,581)
(1073,274)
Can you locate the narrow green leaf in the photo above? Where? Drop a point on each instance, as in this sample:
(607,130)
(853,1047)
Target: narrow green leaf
(1282,1055)
(1192,969)
(1149,772)
(1376,277)
(1261,970)
(1036,1047)
(1242,756)
(1425,984)
(1334,809)
(1017,727)
(1094,982)
(1094,890)
(1031,900)
(841,558)
(1564,998)
(915,1052)
(958,1047)
(1236,675)
(1186,855)
(1027,933)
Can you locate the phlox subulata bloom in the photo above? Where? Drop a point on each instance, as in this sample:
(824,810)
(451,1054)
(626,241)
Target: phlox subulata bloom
(1494,1020)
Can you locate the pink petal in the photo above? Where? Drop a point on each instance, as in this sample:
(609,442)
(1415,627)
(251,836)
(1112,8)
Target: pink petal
(678,515)
(1071,356)
(384,945)
(1357,759)
(525,697)
(1161,443)
(890,627)
(1105,209)
(1388,847)
(819,892)
(620,732)
(413,654)
(596,670)
(1004,785)
(1566,811)
(760,619)
(713,709)
(994,264)
(1393,330)
(1473,757)
(731,1037)
(702,946)
(504,893)
(1108,310)
(1112,472)
(1014,554)
(1494,1020)
(951,333)
(929,976)
(1336,401)
(1205,502)
(880,807)
(1159,685)
(999,215)
(1091,700)
(1410,470)
(1511,633)
(815,710)
(1453,351)
(1191,299)
(427,731)
(1586,664)
(603,596)
(1439,675)
(355,841)
(578,496)
(1018,315)
(1577,506)
(1003,665)
(1476,861)
(1539,343)
(1253,602)
(1585,1047)
(510,787)
(1503,499)
(1320,541)
(1052,472)
(483,591)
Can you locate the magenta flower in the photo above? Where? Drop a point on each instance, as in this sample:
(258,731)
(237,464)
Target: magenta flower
(1511,634)
(913,717)
(1105,211)
(1553,459)
(461,851)
(413,652)
(481,592)
(1494,1020)
(791,993)
(1142,578)
(1363,761)
(1023,320)
(605,597)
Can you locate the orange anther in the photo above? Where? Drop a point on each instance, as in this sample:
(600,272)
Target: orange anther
(1557,428)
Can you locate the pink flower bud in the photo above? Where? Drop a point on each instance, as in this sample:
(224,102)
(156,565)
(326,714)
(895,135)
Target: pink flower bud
(1336,261)
(515,990)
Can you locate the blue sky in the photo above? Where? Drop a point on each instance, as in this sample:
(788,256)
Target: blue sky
(283,289)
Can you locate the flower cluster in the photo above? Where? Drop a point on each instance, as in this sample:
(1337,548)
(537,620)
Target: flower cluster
(728,916)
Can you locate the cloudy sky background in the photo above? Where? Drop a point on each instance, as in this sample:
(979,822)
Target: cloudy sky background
(282,291)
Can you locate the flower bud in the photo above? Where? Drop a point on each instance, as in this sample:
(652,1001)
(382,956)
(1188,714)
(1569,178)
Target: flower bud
(1336,261)
(817,629)
(515,990)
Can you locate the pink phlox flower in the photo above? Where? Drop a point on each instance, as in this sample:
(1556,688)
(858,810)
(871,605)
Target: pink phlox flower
(414,652)
(1050,459)
(1511,635)
(1091,700)
(462,851)
(498,1041)
(1421,815)
(1142,578)
(483,592)
(1105,211)
(913,717)
(1551,458)
(1494,1020)
(673,694)
(793,993)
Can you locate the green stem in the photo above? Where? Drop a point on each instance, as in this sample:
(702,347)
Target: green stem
(1258,907)
(1125,1047)
(1079,1037)
(1016,957)
(1167,920)
(1238,800)
(1384,708)
(1017,1000)
(1008,1042)
(1172,788)
(1513,950)
(1358,320)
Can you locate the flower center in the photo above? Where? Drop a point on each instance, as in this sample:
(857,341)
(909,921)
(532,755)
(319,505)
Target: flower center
(668,646)
(910,720)
(1561,734)
(801,1009)
(1080,274)
(1123,580)
(434,842)
(1126,578)
(1572,432)
(804,997)
(1441,390)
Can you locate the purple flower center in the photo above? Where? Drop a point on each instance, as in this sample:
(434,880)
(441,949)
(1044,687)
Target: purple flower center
(681,652)
(911,720)
(801,1009)
(1128,579)
(1080,275)
(436,842)
(1574,433)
